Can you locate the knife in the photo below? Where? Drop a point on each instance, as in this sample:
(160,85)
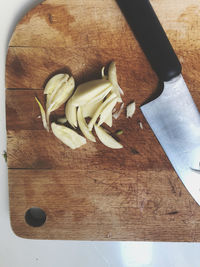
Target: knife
(173,115)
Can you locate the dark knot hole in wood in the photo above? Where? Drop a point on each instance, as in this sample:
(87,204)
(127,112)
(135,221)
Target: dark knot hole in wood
(35,217)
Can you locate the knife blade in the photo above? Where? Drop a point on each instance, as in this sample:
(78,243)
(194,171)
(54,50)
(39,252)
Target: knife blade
(173,115)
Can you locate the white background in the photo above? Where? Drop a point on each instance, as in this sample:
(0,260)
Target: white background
(18,252)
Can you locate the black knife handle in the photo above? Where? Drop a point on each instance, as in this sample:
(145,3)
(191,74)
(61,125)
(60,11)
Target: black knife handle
(151,37)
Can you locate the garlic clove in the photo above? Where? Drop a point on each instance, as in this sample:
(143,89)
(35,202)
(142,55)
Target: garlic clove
(106,139)
(68,136)
(70,113)
(91,91)
(83,126)
(43,115)
(130,110)
(99,110)
(107,110)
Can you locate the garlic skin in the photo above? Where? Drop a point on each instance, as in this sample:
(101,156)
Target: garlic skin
(106,139)
(130,110)
(68,136)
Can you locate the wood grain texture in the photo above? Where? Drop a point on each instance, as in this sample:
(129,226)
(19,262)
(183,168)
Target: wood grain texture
(95,193)
(104,205)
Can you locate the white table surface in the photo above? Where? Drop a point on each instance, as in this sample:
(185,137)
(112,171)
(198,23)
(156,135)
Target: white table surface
(18,252)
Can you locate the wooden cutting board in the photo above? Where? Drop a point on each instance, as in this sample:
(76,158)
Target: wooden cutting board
(95,193)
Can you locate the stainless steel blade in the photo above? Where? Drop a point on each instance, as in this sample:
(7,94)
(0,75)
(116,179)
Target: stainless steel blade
(175,121)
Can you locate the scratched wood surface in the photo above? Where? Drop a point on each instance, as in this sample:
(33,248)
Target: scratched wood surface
(95,193)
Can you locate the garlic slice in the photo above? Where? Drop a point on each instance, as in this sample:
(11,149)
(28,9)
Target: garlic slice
(68,136)
(54,82)
(83,126)
(42,114)
(130,110)
(112,77)
(53,86)
(107,110)
(70,113)
(109,120)
(106,139)
(88,110)
(103,74)
(101,96)
(91,91)
(141,125)
(118,113)
(62,94)
(59,89)
(99,110)
(62,120)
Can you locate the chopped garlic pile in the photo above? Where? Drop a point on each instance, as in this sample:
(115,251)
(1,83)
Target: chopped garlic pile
(94,99)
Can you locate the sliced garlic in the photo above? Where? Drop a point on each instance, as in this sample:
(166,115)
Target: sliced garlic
(70,113)
(130,110)
(62,94)
(101,96)
(42,114)
(103,74)
(83,126)
(112,77)
(53,86)
(58,90)
(94,99)
(54,82)
(68,136)
(62,120)
(107,110)
(88,110)
(99,110)
(141,125)
(106,139)
(91,91)
(118,113)
(108,120)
